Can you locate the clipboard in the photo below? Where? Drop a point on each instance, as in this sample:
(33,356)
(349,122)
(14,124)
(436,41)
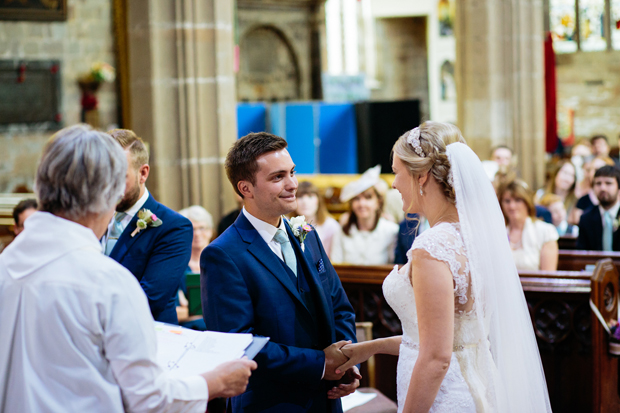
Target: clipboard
(257,345)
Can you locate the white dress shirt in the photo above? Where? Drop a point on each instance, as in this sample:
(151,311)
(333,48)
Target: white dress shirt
(267,232)
(131,212)
(374,247)
(77,332)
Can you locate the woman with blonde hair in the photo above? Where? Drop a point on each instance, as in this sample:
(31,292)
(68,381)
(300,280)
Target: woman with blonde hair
(534,243)
(468,344)
(562,182)
(311,205)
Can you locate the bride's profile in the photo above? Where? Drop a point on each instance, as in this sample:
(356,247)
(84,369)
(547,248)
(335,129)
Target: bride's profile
(468,344)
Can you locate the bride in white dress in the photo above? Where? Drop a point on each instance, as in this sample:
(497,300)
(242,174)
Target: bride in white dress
(468,344)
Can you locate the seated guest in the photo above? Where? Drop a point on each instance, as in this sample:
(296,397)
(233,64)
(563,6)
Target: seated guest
(409,229)
(579,154)
(502,155)
(600,145)
(598,227)
(77,330)
(562,183)
(21,212)
(558,215)
(366,238)
(202,222)
(311,205)
(588,200)
(534,243)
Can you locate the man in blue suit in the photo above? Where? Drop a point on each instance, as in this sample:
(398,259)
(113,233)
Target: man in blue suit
(598,227)
(259,277)
(156,255)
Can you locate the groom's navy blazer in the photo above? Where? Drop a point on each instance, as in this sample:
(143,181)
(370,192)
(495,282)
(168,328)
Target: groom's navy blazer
(591,231)
(157,257)
(247,288)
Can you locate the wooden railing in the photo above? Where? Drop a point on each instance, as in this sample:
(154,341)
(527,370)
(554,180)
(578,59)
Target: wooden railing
(581,376)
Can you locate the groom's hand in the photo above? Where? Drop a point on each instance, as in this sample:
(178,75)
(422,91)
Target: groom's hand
(347,384)
(333,359)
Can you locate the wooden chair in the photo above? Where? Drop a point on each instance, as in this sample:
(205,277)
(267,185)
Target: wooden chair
(363,331)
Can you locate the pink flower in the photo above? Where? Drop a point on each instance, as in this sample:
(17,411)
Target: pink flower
(307,228)
(154,217)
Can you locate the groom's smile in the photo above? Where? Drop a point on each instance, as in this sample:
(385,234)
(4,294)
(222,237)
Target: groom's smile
(273,192)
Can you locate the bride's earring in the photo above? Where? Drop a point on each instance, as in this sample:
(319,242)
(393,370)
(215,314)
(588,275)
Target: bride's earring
(421,193)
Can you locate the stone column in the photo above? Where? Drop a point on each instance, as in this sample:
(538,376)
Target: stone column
(500,79)
(182,97)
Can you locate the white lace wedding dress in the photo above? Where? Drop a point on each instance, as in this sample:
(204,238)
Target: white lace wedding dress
(464,387)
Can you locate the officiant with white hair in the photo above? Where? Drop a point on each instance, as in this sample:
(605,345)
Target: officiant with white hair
(366,238)
(77,332)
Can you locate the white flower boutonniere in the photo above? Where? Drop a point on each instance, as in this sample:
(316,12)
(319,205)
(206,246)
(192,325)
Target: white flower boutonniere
(300,229)
(615,224)
(146,219)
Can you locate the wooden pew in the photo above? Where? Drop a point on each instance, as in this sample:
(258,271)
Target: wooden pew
(576,260)
(567,242)
(581,376)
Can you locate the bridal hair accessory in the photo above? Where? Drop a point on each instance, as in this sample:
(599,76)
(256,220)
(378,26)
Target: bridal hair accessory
(413,139)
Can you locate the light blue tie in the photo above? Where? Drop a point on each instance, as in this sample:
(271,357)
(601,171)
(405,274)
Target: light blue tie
(608,232)
(287,250)
(115,233)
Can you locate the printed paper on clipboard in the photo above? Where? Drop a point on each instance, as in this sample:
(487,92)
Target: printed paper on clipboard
(183,352)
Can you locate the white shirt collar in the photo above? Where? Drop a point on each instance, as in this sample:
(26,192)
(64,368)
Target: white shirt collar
(136,207)
(265,230)
(613,211)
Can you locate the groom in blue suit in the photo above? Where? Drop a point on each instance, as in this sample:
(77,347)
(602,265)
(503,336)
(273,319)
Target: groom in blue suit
(261,277)
(156,255)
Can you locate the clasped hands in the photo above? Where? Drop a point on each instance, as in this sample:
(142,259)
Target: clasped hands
(335,362)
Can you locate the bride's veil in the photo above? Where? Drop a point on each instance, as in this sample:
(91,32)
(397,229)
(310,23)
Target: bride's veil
(516,381)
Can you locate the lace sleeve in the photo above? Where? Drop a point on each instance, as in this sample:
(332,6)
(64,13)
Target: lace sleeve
(444,243)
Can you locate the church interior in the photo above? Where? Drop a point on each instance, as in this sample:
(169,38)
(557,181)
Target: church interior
(341,81)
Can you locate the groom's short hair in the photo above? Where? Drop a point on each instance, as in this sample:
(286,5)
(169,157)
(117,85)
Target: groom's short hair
(241,162)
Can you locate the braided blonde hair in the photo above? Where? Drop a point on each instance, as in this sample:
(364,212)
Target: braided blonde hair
(434,138)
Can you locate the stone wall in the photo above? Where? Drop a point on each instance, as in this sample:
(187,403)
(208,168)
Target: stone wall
(403,62)
(589,84)
(85,38)
(275,50)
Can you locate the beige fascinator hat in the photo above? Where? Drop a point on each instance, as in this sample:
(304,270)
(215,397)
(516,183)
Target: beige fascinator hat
(368,179)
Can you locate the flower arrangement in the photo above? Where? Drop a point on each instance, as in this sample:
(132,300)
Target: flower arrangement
(614,338)
(300,229)
(146,219)
(101,72)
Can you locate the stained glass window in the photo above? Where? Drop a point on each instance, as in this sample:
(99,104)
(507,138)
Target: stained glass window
(615,24)
(562,21)
(591,26)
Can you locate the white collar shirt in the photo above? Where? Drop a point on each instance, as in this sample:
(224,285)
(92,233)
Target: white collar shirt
(82,325)
(131,212)
(613,212)
(267,232)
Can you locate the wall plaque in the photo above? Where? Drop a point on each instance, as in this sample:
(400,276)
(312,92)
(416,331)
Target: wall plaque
(30,93)
(37,10)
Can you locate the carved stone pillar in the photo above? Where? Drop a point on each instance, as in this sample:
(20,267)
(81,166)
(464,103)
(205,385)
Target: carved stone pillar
(182,97)
(500,78)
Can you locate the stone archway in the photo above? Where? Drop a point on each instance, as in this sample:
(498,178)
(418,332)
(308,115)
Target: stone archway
(268,67)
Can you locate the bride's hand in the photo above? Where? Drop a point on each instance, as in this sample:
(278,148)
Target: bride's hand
(357,353)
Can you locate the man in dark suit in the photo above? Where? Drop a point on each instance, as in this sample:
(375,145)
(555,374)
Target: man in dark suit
(598,227)
(261,276)
(158,254)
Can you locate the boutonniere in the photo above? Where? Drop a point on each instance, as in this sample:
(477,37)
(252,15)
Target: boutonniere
(300,229)
(146,219)
(615,224)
